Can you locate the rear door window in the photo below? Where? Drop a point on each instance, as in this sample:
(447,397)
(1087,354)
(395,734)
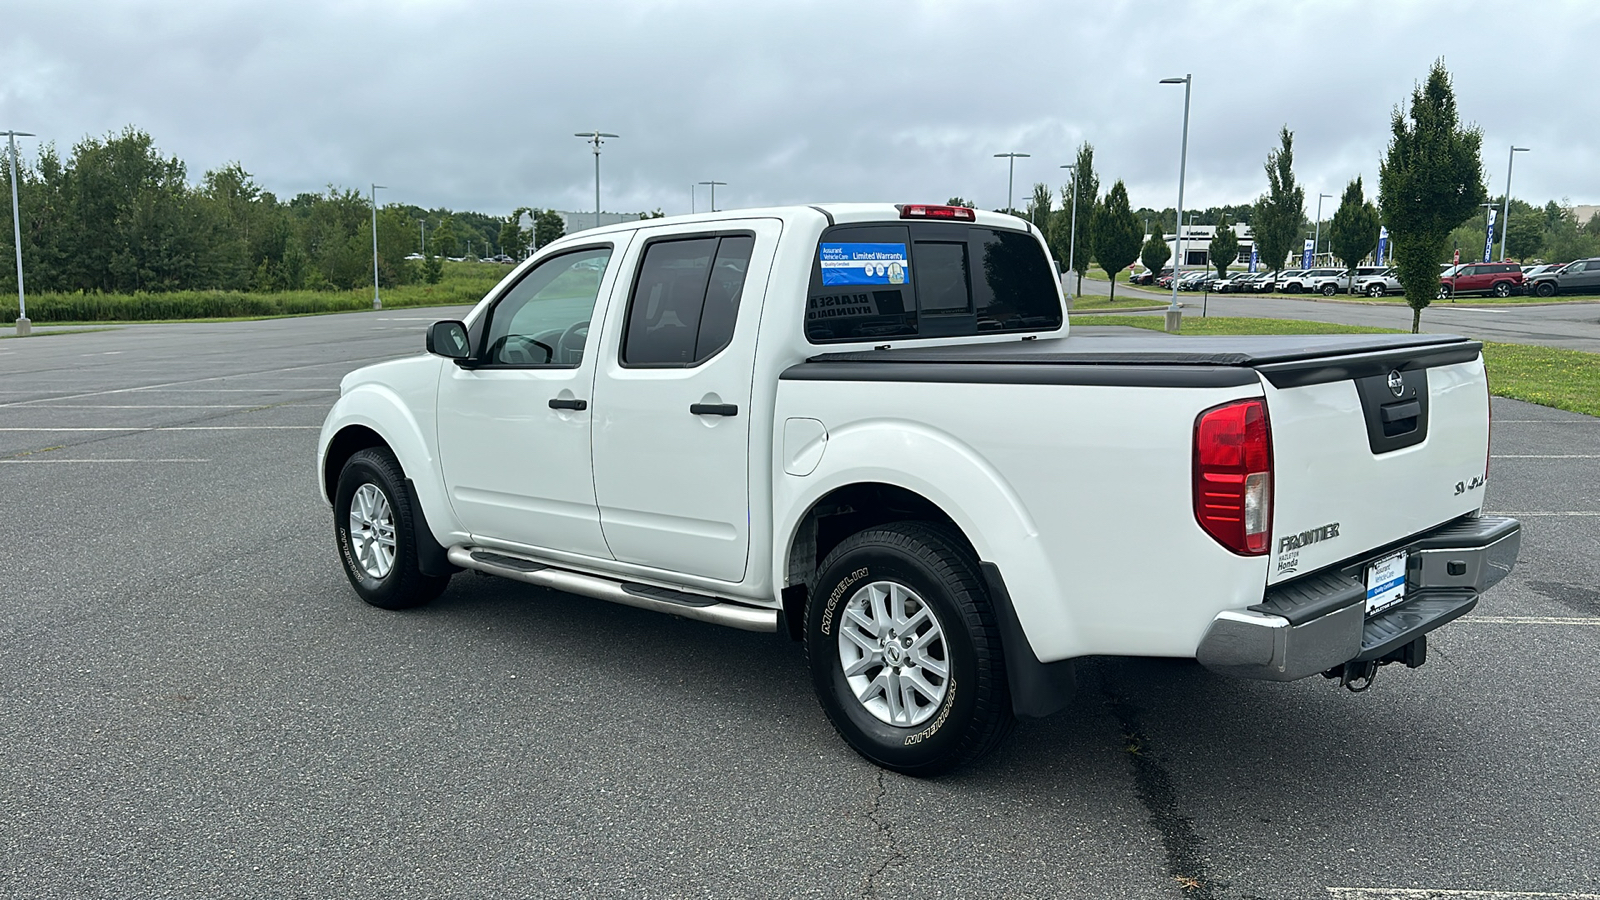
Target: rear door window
(685,301)
(928,279)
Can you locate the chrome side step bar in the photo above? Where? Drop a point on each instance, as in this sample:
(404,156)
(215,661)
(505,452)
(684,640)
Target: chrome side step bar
(644,596)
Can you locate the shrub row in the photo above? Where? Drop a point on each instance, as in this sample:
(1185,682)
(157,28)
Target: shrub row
(144,307)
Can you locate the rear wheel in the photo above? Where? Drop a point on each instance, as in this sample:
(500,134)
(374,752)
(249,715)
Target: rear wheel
(904,651)
(1545,289)
(1502,289)
(376,533)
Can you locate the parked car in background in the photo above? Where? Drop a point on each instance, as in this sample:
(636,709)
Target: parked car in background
(1326,282)
(1195,281)
(1495,279)
(1580,277)
(1291,281)
(1234,283)
(1379,283)
(1528,272)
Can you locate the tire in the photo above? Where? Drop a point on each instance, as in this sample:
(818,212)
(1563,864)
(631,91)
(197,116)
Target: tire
(1292,287)
(1328,290)
(931,578)
(1444,292)
(1502,289)
(1375,290)
(1545,289)
(377,546)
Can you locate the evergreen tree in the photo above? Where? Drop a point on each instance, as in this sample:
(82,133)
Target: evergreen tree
(1118,234)
(1278,213)
(1086,186)
(1353,233)
(1154,255)
(1224,248)
(1430,181)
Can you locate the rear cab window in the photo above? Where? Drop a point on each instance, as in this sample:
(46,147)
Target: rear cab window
(928,279)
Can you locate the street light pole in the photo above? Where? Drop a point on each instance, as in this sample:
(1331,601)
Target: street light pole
(1011,180)
(1072,241)
(1316,242)
(24,324)
(377,302)
(714,192)
(1505,215)
(1174,313)
(595,138)
(691,197)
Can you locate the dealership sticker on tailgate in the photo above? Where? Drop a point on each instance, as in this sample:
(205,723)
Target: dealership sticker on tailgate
(1386,582)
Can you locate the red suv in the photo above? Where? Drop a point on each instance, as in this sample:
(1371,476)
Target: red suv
(1499,279)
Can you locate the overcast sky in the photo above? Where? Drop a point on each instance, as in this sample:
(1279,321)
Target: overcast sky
(472,105)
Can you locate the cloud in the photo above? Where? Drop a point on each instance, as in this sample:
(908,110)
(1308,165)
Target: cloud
(473,105)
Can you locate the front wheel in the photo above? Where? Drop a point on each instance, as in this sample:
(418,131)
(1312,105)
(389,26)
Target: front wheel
(376,533)
(1444,292)
(1375,290)
(904,650)
(1545,289)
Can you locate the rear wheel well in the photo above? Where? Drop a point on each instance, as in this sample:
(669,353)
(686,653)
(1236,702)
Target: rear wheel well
(846,511)
(348,442)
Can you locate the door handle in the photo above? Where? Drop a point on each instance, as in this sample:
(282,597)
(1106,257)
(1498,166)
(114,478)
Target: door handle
(569,404)
(713,409)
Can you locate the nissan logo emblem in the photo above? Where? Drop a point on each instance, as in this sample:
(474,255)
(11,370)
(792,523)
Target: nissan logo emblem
(1397,384)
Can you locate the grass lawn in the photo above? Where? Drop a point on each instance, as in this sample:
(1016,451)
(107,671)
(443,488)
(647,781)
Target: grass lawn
(1563,379)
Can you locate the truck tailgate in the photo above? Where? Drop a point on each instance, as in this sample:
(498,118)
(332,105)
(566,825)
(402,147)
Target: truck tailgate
(1371,448)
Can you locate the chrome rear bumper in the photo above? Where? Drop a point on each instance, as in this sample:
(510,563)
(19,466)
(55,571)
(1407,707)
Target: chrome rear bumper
(1315,623)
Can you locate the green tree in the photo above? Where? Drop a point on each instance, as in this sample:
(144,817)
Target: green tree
(442,237)
(1278,213)
(1430,181)
(432,269)
(1086,187)
(658,214)
(547,226)
(1118,234)
(957,201)
(513,237)
(1353,232)
(1155,254)
(1039,209)
(1525,234)
(1224,248)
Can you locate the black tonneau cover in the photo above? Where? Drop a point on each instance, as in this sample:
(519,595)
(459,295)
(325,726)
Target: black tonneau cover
(1147,359)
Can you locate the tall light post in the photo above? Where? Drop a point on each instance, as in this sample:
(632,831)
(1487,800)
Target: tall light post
(691,198)
(1174,313)
(24,325)
(1505,215)
(596,138)
(1011,180)
(377,302)
(1072,239)
(713,185)
(1316,240)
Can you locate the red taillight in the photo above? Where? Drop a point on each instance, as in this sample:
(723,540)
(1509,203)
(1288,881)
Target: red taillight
(1233,476)
(924,211)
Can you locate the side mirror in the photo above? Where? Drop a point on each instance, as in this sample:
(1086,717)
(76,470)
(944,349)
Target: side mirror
(449,340)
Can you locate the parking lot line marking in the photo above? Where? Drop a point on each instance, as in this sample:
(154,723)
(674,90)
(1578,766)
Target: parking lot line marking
(179,428)
(33,462)
(1534,620)
(1545,456)
(1525,514)
(1440,894)
(169,384)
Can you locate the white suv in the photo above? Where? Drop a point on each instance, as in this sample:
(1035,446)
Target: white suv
(1326,281)
(1379,283)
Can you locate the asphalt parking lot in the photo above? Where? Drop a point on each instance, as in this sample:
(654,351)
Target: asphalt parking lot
(193,703)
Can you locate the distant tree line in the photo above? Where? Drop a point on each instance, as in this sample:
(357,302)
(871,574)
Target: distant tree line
(118,216)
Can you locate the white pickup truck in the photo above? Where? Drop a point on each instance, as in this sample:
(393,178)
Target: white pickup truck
(866,427)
